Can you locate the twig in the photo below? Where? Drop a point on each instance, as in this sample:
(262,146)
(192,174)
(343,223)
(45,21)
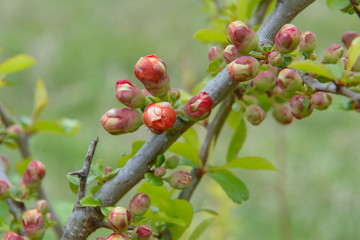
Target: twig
(260,13)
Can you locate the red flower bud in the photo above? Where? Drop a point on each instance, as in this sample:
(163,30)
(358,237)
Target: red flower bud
(348,37)
(215,53)
(4,189)
(264,81)
(159,117)
(12,236)
(107,170)
(243,68)
(34,224)
(198,107)
(5,162)
(151,71)
(282,114)
(180,179)
(42,205)
(160,172)
(139,204)
(300,106)
(230,53)
(142,232)
(289,80)
(320,100)
(14,131)
(287,39)
(129,94)
(117,236)
(307,42)
(34,174)
(333,53)
(254,114)
(172,161)
(174,94)
(242,36)
(118,121)
(275,58)
(119,218)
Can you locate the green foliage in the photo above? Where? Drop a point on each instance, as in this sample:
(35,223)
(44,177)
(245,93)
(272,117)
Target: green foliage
(353,53)
(136,145)
(199,230)
(186,150)
(153,180)
(16,63)
(237,140)
(159,160)
(191,138)
(41,99)
(63,126)
(314,67)
(22,165)
(89,201)
(254,163)
(337,4)
(211,35)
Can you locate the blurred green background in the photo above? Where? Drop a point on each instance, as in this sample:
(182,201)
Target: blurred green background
(83,47)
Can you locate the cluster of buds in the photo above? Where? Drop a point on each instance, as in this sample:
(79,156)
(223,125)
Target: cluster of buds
(34,174)
(34,224)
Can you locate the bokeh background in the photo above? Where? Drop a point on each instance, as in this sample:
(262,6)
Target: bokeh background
(83,47)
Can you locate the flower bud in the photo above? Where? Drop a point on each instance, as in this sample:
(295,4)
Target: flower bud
(159,117)
(160,172)
(5,162)
(243,68)
(118,121)
(174,94)
(107,170)
(300,106)
(264,81)
(172,161)
(230,53)
(151,71)
(34,174)
(289,80)
(49,216)
(23,190)
(307,42)
(14,131)
(119,218)
(99,238)
(348,37)
(215,53)
(34,224)
(180,179)
(313,56)
(320,100)
(42,205)
(129,94)
(117,236)
(333,53)
(12,236)
(254,114)
(242,36)
(198,107)
(139,204)
(275,58)
(287,39)
(250,100)
(4,189)
(282,114)
(142,232)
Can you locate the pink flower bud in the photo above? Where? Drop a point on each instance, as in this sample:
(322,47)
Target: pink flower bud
(142,232)
(118,121)
(275,58)
(264,81)
(307,42)
(5,162)
(333,53)
(14,131)
(117,236)
(242,36)
(348,37)
(160,172)
(107,170)
(42,205)
(12,236)
(49,216)
(174,94)
(34,224)
(159,117)
(4,189)
(282,114)
(172,161)
(300,106)
(119,218)
(287,39)
(230,53)
(129,94)
(151,71)
(100,238)
(320,100)
(243,68)
(34,174)
(289,80)
(254,114)
(215,53)
(180,179)
(139,204)
(198,107)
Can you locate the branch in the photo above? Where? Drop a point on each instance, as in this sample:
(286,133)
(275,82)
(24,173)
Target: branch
(260,13)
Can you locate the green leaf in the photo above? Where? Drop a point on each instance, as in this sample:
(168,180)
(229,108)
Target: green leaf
(106,211)
(337,69)
(214,66)
(90,201)
(191,138)
(153,180)
(16,63)
(314,67)
(212,212)
(211,35)
(155,193)
(63,126)
(337,4)
(234,116)
(22,165)
(237,140)
(73,183)
(159,160)
(94,189)
(3,226)
(186,162)
(256,163)
(186,150)
(200,229)
(353,53)
(180,209)
(231,185)
(41,99)
(136,145)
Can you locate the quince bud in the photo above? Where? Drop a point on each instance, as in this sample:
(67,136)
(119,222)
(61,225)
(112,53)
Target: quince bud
(300,106)
(172,161)
(243,68)
(333,53)
(254,114)
(142,232)
(287,39)
(174,94)
(282,114)
(119,218)
(12,236)
(275,58)
(118,121)
(34,224)
(107,170)
(320,100)
(4,189)
(159,117)
(160,172)
(289,80)
(215,53)
(117,236)
(348,37)
(42,205)
(34,174)
(264,81)
(242,36)
(198,107)
(230,53)
(129,94)
(307,42)
(139,204)
(180,179)
(14,131)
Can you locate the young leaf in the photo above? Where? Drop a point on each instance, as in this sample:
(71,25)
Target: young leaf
(22,165)
(179,209)
(191,138)
(16,63)
(186,150)
(237,140)
(64,126)
(314,67)
(106,211)
(212,212)
(337,4)
(73,183)
(256,163)
(200,229)
(159,160)
(242,9)
(153,180)
(41,99)
(90,201)
(231,185)
(136,145)
(211,35)
(353,53)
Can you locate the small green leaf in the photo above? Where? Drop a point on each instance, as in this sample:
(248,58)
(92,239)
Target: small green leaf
(211,35)
(159,160)
(90,201)
(337,69)
(200,229)
(3,226)
(314,67)
(64,126)
(73,183)
(16,63)
(191,137)
(337,4)
(153,180)
(136,145)
(186,162)
(214,66)
(41,99)
(212,212)
(94,189)
(22,165)
(241,9)
(177,221)
(256,163)
(234,116)
(353,53)
(106,211)
(186,150)
(231,185)
(237,140)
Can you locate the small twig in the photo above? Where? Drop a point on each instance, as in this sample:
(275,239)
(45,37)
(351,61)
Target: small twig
(84,172)
(356,5)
